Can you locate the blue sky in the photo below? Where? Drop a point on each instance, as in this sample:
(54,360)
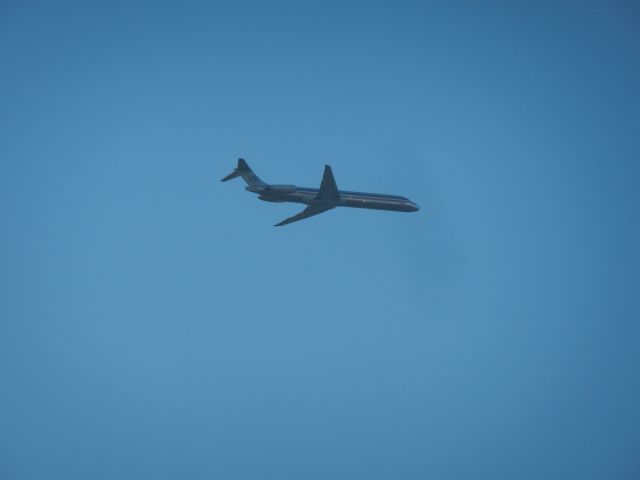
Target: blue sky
(155,324)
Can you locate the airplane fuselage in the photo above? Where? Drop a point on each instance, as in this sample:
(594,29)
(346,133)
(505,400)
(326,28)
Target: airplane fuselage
(318,200)
(308,196)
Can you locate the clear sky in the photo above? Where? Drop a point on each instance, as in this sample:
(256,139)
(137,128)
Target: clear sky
(154,324)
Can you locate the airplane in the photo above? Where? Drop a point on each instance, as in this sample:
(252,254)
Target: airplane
(317,200)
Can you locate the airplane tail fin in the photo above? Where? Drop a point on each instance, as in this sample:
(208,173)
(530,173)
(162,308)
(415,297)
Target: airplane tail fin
(243,170)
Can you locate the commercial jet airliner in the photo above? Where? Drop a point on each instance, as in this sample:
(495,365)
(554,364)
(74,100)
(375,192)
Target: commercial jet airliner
(318,200)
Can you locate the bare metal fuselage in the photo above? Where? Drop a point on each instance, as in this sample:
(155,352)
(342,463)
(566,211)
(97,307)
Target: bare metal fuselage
(307,196)
(318,200)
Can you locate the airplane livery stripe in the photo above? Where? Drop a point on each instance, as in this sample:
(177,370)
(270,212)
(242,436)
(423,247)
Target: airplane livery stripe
(318,200)
(364,195)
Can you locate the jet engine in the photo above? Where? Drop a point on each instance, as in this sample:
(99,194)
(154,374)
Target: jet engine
(281,188)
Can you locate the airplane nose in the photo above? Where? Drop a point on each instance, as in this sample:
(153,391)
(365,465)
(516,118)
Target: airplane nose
(413,207)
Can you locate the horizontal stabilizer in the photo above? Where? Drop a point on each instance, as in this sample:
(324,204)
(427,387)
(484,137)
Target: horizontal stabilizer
(231,176)
(243,170)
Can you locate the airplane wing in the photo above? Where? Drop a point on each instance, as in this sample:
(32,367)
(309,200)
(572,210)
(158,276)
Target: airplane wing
(310,211)
(328,189)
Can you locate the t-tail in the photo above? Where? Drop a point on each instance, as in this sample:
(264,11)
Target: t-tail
(243,170)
